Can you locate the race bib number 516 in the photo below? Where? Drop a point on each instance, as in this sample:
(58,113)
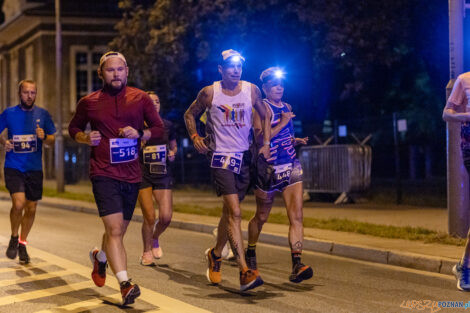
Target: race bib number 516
(122,150)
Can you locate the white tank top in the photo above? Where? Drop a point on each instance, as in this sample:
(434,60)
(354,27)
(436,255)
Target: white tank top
(229,120)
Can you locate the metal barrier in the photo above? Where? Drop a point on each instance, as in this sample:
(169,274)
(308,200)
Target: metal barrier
(336,168)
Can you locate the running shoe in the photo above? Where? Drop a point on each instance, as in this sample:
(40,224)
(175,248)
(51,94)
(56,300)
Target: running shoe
(300,272)
(463,277)
(98,275)
(251,262)
(129,292)
(213,272)
(156,249)
(12,249)
(147,259)
(249,280)
(23,254)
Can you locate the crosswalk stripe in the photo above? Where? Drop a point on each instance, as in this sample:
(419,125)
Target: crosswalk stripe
(85,305)
(9,282)
(25,268)
(31,295)
(163,303)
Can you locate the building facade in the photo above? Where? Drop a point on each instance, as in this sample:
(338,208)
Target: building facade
(27,51)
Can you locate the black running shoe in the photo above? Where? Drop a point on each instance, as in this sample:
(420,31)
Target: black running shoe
(23,254)
(12,249)
(300,272)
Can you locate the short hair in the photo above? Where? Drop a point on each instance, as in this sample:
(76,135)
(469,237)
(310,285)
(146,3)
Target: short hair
(24,81)
(150,92)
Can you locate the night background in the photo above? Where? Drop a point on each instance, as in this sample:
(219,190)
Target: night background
(352,63)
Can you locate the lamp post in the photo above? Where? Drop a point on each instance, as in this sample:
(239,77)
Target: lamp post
(59,141)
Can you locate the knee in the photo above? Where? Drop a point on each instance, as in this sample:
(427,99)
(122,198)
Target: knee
(164,219)
(261,217)
(18,205)
(115,231)
(235,215)
(30,209)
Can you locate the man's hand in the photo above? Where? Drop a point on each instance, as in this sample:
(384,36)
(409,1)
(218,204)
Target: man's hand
(300,141)
(129,132)
(286,117)
(200,145)
(40,132)
(8,145)
(266,151)
(94,138)
(171,155)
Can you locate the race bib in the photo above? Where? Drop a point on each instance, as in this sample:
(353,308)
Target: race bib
(158,168)
(229,161)
(122,150)
(155,154)
(282,173)
(24,143)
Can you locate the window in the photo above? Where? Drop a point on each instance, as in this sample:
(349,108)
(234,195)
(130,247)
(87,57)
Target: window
(83,76)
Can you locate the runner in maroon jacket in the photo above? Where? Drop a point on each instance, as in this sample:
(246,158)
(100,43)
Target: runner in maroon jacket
(116,115)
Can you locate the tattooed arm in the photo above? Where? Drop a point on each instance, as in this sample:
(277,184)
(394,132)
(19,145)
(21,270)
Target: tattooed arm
(261,109)
(202,102)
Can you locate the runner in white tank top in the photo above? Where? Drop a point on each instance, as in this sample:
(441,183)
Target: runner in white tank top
(229,104)
(229,119)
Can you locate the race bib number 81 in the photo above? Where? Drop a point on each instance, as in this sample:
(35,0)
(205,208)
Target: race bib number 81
(229,161)
(24,143)
(122,150)
(155,154)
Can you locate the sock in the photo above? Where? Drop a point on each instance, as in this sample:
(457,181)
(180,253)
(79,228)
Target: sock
(296,255)
(251,251)
(213,254)
(122,276)
(23,242)
(101,256)
(155,243)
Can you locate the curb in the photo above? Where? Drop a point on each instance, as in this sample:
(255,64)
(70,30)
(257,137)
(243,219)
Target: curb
(403,259)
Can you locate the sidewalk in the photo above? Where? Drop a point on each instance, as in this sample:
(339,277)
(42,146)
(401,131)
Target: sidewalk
(414,254)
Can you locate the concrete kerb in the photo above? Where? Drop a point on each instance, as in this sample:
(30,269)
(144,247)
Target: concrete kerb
(397,258)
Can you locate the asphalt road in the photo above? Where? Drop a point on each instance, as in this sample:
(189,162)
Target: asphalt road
(57,280)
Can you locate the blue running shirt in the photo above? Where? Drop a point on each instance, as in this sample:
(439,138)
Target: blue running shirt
(282,145)
(21,122)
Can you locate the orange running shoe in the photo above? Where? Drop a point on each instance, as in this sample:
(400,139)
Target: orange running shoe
(249,280)
(129,292)
(213,263)
(98,275)
(300,272)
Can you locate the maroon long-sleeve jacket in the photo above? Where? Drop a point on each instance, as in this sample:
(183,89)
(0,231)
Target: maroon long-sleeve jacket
(107,114)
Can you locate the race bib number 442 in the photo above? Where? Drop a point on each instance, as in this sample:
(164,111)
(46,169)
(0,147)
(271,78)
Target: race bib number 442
(24,143)
(229,161)
(122,150)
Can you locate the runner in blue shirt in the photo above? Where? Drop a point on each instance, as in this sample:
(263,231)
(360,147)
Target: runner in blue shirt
(28,128)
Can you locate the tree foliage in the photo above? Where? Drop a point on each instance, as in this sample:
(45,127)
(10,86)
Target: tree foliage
(372,50)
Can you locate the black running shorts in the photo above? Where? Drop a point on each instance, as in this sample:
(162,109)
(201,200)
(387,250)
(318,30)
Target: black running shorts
(156,181)
(227,182)
(28,182)
(115,196)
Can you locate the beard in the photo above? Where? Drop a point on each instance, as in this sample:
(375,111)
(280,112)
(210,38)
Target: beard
(27,105)
(116,86)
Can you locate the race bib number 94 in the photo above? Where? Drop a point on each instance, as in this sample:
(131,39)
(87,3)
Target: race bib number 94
(24,143)
(155,154)
(122,150)
(228,161)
